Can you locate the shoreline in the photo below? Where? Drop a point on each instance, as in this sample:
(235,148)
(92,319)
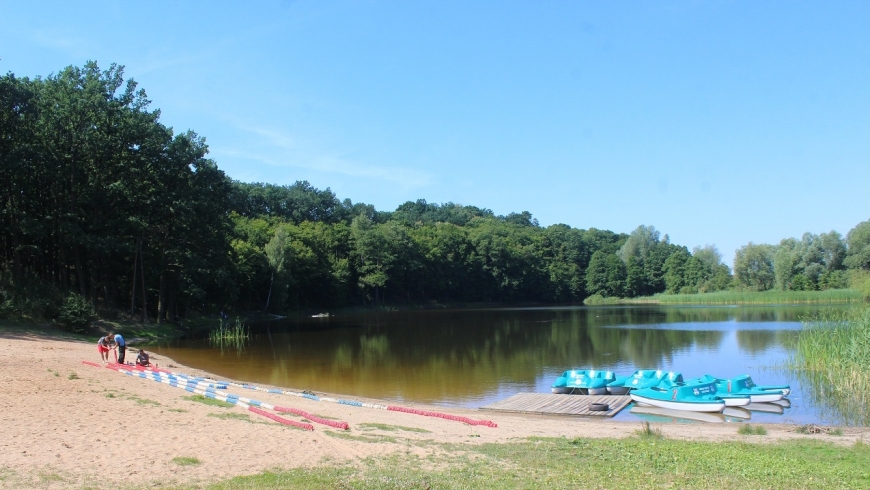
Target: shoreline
(89,426)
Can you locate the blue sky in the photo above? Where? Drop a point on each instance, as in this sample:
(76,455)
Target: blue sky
(717,122)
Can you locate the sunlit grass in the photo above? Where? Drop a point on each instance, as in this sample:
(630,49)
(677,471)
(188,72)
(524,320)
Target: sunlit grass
(591,463)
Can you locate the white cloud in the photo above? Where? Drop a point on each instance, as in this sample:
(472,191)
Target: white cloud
(282,150)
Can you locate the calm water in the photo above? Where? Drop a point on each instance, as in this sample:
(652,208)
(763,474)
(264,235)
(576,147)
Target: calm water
(470,358)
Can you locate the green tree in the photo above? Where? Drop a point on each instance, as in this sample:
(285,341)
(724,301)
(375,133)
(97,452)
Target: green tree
(858,240)
(753,266)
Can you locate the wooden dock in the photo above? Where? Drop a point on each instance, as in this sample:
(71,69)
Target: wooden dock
(550,404)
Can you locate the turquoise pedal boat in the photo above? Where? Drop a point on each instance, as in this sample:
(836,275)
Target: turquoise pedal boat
(743,385)
(583,382)
(688,397)
(644,378)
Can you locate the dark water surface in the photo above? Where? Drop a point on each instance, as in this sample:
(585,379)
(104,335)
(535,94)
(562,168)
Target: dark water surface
(470,358)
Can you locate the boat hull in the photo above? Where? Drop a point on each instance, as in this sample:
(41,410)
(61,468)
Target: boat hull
(678,415)
(766,398)
(617,390)
(711,406)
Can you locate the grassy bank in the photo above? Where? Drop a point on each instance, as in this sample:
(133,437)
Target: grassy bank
(638,462)
(829,296)
(832,357)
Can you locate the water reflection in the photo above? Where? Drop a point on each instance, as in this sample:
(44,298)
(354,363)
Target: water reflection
(473,357)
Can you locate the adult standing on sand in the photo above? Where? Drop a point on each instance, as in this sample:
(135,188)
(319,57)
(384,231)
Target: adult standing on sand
(121,346)
(103,347)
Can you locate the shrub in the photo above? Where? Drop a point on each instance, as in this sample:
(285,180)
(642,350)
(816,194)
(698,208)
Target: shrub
(76,313)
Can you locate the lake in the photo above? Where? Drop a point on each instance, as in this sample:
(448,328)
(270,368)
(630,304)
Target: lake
(474,357)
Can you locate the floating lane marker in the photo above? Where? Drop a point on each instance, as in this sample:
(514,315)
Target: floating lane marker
(353,403)
(204,388)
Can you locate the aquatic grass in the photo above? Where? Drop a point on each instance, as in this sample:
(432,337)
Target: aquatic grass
(832,353)
(828,296)
(553,463)
(235,336)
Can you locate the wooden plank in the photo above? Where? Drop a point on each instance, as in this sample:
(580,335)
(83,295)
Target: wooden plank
(550,404)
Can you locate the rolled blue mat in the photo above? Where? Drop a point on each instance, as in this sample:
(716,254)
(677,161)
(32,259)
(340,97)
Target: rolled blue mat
(311,397)
(350,402)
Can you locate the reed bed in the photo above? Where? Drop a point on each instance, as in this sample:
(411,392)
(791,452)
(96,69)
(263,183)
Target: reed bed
(829,296)
(832,359)
(226,336)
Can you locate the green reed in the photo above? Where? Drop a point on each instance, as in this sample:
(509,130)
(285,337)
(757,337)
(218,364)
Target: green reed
(232,336)
(752,298)
(832,359)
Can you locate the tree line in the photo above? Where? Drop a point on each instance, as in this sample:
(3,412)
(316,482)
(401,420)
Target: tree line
(104,204)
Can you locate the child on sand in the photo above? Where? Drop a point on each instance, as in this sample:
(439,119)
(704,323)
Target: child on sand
(103,347)
(142,359)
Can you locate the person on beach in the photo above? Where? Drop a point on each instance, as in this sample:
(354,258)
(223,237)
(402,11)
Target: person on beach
(142,359)
(103,347)
(121,346)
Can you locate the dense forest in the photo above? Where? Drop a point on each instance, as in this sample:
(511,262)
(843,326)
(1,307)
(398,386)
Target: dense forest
(101,203)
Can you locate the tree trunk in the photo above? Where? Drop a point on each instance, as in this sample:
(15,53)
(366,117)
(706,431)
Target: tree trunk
(161,292)
(269,297)
(133,289)
(144,291)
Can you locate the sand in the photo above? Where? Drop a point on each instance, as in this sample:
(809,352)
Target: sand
(67,424)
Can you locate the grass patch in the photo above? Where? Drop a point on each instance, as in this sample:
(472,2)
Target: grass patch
(110,395)
(646,431)
(554,463)
(749,430)
(179,410)
(835,431)
(73,375)
(142,401)
(231,416)
(391,428)
(54,372)
(359,438)
(208,401)
(186,461)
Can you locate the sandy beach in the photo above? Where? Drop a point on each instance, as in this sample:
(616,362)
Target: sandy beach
(67,424)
